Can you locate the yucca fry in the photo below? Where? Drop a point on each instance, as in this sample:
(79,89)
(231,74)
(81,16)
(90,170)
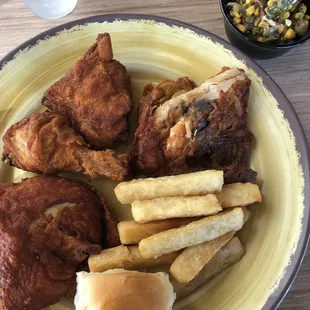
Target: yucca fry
(108,259)
(229,254)
(239,194)
(246,214)
(192,260)
(137,261)
(174,207)
(190,184)
(197,232)
(125,257)
(131,232)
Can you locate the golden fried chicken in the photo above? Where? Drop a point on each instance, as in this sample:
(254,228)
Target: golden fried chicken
(48,227)
(94,95)
(45,143)
(200,128)
(148,149)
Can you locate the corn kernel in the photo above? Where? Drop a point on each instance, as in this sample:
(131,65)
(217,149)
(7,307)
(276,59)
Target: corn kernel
(241,27)
(249,2)
(256,13)
(303,9)
(285,15)
(236,14)
(290,34)
(260,39)
(270,2)
(237,20)
(307,17)
(250,10)
(281,28)
(263,24)
(299,15)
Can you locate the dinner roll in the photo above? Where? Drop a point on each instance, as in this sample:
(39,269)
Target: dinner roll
(120,289)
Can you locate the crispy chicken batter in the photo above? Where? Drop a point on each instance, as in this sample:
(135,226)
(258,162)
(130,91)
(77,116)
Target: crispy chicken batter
(94,95)
(200,128)
(45,143)
(48,227)
(148,146)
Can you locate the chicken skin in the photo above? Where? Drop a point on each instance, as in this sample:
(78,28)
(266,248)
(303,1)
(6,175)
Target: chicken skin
(94,95)
(48,227)
(195,129)
(45,143)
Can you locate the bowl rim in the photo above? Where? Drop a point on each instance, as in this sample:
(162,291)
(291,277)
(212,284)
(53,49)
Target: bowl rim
(287,280)
(254,42)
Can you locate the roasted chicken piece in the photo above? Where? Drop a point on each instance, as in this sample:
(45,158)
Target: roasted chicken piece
(45,143)
(94,95)
(48,227)
(198,128)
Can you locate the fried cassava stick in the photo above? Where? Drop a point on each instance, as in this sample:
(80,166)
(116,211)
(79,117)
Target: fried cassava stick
(196,232)
(190,184)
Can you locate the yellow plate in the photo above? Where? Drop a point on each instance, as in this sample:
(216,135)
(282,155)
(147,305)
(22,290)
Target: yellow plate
(154,49)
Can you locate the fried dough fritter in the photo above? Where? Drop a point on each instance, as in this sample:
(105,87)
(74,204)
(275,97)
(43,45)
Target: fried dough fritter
(48,227)
(201,128)
(45,143)
(94,95)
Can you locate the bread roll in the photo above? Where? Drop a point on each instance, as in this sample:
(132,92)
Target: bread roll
(120,289)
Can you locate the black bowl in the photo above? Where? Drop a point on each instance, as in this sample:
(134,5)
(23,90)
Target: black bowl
(252,47)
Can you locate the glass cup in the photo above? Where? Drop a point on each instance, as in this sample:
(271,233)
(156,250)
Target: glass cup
(51,9)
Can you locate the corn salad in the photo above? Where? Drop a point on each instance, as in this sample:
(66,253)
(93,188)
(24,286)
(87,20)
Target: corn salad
(273,21)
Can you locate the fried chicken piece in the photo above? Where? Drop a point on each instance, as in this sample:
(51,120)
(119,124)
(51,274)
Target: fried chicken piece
(45,143)
(94,95)
(202,128)
(147,138)
(48,227)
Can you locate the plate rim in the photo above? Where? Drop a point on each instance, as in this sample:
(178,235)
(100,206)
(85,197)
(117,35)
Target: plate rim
(275,299)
